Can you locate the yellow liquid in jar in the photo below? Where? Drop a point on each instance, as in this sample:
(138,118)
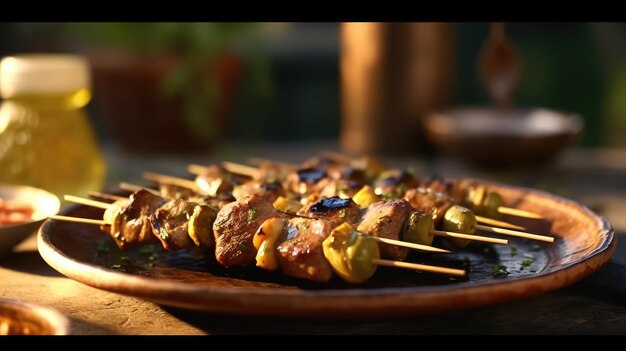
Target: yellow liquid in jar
(46,141)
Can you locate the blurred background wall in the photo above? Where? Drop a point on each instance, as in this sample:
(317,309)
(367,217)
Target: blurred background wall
(578,67)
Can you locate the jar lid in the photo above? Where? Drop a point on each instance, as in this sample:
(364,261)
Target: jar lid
(43,73)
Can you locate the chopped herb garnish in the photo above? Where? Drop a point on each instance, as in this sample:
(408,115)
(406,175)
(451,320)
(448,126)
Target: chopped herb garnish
(499,271)
(251,214)
(163,234)
(342,213)
(266,250)
(383,220)
(513,250)
(533,271)
(527,262)
(102,247)
(535,247)
(244,247)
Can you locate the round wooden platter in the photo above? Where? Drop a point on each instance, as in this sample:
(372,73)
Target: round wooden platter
(191,279)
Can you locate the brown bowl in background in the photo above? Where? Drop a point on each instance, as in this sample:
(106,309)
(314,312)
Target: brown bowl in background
(21,318)
(496,137)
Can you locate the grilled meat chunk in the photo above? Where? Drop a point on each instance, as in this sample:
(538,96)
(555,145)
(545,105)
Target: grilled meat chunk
(429,201)
(130,219)
(385,219)
(268,191)
(169,224)
(170,191)
(235,226)
(333,209)
(301,254)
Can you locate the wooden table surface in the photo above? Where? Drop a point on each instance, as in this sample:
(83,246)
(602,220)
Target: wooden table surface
(594,305)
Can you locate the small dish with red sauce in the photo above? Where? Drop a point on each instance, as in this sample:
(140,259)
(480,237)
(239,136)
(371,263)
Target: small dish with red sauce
(22,210)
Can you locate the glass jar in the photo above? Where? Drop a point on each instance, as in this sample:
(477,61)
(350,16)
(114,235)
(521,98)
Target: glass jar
(46,139)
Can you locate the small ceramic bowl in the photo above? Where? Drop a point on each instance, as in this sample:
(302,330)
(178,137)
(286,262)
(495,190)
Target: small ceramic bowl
(497,137)
(44,204)
(19,318)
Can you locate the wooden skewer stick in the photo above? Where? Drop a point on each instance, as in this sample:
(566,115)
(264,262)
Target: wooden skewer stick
(382,240)
(165,179)
(135,187)
(531,236)
(238,168)
(196,169)
(496,223)
(502,209)
(409,245)
(519,213)
(106,196)
(376,261)
(419,267)
(484,239)
(88,202)
(181,182)
(79,220)
(249,171)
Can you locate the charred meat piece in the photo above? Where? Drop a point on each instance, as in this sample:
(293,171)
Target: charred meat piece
(234,229)
(385,219)
(303,180)
(130,219)
(333,209)
(169,224)
(301,254)
(268,191)
(429,201)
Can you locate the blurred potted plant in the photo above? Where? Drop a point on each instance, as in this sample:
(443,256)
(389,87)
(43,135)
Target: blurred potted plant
(168,86)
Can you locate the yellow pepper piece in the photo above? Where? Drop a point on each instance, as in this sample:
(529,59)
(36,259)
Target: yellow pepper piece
(287,205)
(366,196)
(265,242)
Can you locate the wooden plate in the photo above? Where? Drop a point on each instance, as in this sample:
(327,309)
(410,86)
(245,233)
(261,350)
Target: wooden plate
(191,279)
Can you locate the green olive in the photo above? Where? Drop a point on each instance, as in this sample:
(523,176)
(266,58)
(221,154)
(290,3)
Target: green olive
(474,198)
(200,226)
(461,220)
(350,253)
(492,202)
(418,228)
